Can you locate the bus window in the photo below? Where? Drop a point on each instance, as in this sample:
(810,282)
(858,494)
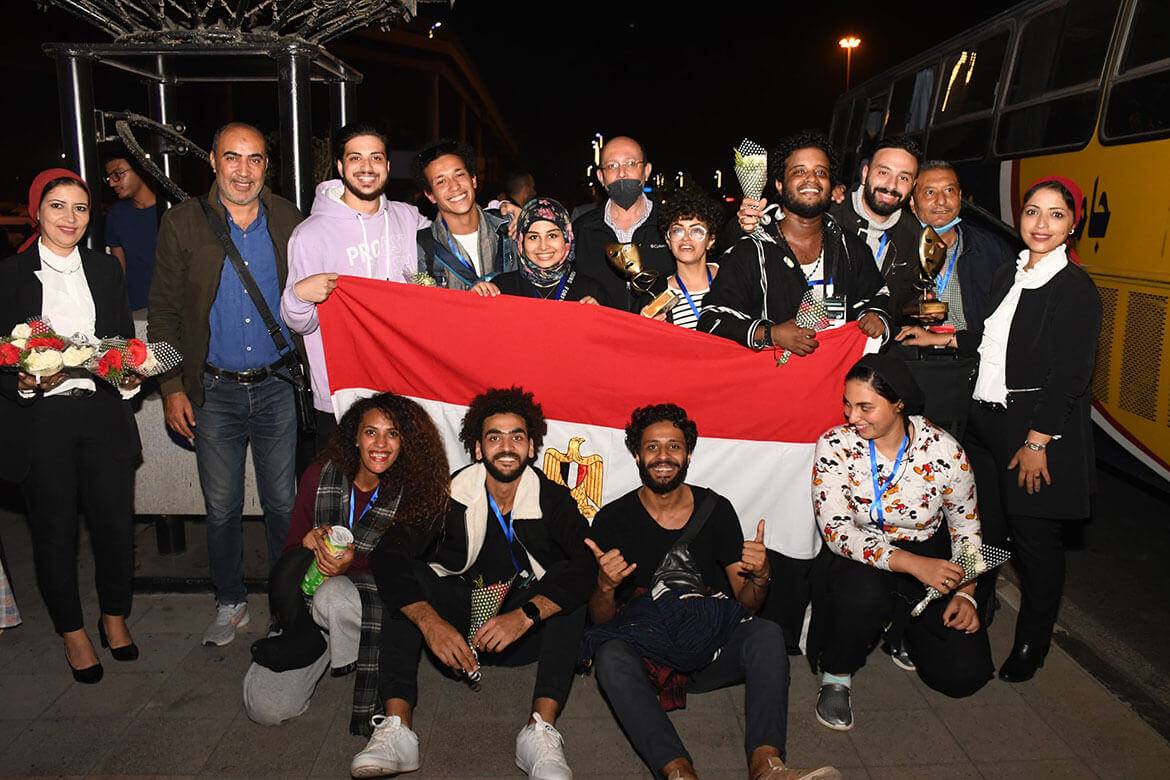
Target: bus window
(970,78)
(960,142)
(852,142)
(1138,104)
(840,127)
(910,103)
(1060,49)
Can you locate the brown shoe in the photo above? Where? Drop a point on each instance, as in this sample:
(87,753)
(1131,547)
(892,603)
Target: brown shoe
(777,771)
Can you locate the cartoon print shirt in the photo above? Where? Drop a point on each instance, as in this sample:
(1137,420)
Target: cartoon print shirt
(933,482)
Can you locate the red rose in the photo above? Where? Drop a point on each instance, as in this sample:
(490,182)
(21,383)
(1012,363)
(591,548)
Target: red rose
(111,361)
(137,351)
(9,355)
(46,341)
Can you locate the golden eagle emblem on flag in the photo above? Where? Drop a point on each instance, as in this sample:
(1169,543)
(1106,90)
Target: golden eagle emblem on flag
(585,485)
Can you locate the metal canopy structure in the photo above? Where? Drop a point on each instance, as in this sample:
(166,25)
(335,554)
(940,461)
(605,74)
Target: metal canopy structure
(169,43)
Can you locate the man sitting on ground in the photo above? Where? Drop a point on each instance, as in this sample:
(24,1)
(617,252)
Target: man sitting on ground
(630,538)
(508,528)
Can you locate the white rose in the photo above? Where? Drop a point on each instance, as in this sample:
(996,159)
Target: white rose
(77,356)
(21,344)
(149,364)
(43,362)
(21,331)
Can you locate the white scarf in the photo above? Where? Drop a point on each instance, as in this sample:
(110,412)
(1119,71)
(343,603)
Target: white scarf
(991,384)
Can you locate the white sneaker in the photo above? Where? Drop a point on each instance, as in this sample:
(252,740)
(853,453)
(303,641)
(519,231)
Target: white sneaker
(392,748)
(540,752)
(228,618)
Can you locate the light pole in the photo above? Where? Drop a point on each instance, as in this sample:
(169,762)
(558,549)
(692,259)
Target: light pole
(848,44)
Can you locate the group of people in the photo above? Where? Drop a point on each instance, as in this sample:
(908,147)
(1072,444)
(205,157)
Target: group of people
(494,564)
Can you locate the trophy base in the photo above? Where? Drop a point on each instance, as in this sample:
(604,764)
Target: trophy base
(926,308)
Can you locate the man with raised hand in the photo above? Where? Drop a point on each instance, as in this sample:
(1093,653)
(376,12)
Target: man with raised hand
(636,540)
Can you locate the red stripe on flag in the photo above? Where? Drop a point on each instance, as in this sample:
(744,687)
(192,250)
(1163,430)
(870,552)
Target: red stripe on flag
(584,363)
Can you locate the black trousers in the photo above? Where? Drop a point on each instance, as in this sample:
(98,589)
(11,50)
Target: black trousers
(1039,555)
(862,600)
(552,645)
(71,466)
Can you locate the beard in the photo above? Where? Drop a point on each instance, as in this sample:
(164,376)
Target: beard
(503,476)
(791,203)
(879,208)
(352,189)
(662,488)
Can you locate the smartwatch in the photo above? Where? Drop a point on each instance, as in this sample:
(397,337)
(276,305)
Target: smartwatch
(532,612)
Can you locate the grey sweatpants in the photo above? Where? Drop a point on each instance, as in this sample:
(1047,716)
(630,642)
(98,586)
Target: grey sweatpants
(273,697)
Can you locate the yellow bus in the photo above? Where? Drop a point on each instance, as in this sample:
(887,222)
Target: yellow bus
(1079,88)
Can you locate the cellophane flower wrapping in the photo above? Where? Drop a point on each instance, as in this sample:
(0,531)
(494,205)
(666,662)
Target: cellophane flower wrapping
(485,604)
(115,358)
(751,169)
(34,347)
(975,561)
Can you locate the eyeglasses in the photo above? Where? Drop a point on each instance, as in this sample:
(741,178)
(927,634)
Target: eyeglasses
(117,175)
(678,233)
(629,165)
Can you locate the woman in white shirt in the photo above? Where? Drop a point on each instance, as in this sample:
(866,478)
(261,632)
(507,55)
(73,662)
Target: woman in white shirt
(894,499)
(1030,436)
(74,441)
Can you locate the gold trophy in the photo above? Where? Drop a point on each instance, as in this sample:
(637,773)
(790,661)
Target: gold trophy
(932,253)
(628,262)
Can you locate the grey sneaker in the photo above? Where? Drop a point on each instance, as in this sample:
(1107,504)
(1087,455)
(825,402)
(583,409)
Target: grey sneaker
(228,618)
(540,751)
(901,657)
(833,708)
(777,771)
(392,748)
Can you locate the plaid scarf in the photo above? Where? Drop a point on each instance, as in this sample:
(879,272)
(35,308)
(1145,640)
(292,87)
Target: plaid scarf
(333,503)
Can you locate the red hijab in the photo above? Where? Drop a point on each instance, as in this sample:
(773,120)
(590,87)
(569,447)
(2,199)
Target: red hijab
(1078,206)
(36,191)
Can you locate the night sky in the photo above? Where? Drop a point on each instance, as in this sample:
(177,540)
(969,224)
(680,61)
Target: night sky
(687,84)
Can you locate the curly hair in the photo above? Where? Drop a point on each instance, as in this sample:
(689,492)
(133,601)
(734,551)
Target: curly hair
(512,400)
(433,151)
(805,139)
(420,471)
(645,416)
(688,204)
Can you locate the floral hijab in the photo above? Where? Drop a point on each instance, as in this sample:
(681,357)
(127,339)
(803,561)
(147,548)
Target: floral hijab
(537,210)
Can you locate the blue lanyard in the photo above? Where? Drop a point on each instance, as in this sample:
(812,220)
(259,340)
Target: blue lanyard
(882,245)
(509,533)
(879,486)
(557,297)
(690,301)
(941,282)
(454,250)
(373,498)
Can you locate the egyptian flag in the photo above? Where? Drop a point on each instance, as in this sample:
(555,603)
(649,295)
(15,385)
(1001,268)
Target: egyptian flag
(590,367)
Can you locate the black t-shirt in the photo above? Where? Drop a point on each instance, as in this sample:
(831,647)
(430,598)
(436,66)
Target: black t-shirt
(626,525)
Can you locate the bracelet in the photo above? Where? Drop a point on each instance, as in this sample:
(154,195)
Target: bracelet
(1034,447)
(969,597)
(767,581)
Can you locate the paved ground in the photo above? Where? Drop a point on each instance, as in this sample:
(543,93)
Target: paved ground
(177,711)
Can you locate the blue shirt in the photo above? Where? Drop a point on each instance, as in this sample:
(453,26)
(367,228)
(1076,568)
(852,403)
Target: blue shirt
(239,340)
(135,232)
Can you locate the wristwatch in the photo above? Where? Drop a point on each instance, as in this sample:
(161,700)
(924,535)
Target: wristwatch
(532,612)
(1034,447)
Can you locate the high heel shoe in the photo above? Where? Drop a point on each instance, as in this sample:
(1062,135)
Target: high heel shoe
(125,653)
(89,675)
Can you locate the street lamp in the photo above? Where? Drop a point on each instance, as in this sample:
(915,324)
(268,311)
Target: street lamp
(848,44)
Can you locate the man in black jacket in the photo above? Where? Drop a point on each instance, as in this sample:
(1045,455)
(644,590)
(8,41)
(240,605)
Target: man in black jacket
(623,218)
(510,532)
(974,254)
(805,260)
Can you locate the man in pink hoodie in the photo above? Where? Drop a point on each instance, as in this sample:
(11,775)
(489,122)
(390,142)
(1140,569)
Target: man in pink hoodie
(353,230)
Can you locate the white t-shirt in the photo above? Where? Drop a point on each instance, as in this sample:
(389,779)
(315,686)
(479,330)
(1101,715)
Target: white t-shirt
(470,244)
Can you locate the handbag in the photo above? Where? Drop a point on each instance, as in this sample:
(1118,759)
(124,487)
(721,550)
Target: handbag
(290,359)
(678,570)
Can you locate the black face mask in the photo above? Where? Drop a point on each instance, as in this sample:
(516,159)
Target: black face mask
(625,192)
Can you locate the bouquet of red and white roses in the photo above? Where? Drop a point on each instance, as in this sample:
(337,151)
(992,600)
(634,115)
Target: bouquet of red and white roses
(115,358)
(35,348)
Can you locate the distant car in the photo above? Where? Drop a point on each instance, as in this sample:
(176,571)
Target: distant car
(16,230)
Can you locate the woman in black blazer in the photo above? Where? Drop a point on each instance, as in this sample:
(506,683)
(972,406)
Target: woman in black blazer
(1029,435)
(76,443)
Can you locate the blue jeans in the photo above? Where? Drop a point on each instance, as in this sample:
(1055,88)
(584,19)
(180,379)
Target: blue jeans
(232,415)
